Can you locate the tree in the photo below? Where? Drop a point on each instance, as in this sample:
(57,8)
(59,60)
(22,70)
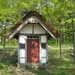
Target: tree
(52,10)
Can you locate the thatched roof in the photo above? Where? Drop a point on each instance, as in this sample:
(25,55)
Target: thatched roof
(29,14)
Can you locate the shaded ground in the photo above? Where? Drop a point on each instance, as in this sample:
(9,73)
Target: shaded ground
(55,66)
(21,71)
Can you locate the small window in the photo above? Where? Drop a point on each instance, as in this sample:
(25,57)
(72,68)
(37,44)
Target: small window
(33,37)
(43,45)
(27,36)
(22,46)
(37,37)
(32,45)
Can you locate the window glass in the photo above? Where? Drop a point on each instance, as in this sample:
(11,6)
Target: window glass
(33,37)
(43,45)
(22,46)
(27,36)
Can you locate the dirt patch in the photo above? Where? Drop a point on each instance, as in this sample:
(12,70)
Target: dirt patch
(21,71)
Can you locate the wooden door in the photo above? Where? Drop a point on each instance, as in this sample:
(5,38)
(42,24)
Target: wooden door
(33,50)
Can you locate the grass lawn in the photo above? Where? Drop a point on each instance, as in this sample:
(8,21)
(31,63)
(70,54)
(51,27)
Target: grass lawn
(8,47)
(55,66)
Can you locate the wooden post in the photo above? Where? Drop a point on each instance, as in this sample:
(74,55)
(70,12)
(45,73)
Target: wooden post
(73,39)
(60,41)
(4,39)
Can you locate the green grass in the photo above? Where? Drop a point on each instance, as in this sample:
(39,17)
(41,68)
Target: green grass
(8,47)
(61,66)
(6,65)
(63,47)
(55,66)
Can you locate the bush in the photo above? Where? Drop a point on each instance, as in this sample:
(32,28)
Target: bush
(51,41)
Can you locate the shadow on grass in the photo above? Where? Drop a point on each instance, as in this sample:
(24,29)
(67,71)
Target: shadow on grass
(55,66)
(8,61)
(60,66)
(9,58)
(39,72)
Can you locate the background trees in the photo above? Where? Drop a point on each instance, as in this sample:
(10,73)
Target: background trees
(52,10)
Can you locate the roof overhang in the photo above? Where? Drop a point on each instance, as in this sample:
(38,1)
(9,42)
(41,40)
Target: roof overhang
(29,21)
(29,18)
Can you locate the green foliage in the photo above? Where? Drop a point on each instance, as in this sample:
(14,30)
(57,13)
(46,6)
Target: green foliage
(51,41)
(52,10)
(12,42)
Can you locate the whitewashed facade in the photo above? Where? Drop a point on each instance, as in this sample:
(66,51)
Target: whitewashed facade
(32,30)
(32,34)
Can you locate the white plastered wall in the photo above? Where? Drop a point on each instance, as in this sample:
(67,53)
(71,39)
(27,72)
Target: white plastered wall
(27,29)
(43,51)
(33,28)
(22,56)
(22,52)
(38,29)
